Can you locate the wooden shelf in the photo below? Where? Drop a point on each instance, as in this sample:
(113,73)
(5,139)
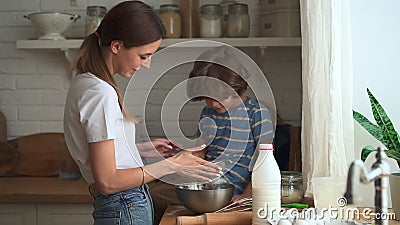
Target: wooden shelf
(237,42)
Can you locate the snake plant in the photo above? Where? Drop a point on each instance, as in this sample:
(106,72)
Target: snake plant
(383,130)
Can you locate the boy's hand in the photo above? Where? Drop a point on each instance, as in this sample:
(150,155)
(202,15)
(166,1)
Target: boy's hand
(236,198)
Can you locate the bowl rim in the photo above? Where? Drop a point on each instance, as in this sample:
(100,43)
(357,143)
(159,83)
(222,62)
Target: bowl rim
(51,12)
(185,185)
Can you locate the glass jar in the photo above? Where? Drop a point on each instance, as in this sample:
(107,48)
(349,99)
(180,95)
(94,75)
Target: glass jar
(94,16)
(225,5)
(210,21)
(238,20)
(169,15)
(292,187)
(68,169)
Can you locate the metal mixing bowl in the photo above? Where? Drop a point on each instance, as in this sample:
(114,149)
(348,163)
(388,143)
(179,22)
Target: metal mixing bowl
(204,198)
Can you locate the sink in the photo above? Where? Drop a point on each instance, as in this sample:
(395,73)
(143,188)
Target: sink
(347,222)
(313,216)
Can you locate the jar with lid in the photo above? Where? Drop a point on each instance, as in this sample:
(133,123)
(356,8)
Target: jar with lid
(169,15)
(292,187)
(210,21)
(238,20)
(94,16)
(68,169)
(225,5)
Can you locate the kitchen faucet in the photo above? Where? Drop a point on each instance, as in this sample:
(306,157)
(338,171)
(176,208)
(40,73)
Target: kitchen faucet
(380,174)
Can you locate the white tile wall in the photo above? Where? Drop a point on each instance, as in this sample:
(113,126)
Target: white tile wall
(19,5)
(33,83)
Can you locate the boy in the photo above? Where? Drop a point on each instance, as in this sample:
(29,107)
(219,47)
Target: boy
(232,125)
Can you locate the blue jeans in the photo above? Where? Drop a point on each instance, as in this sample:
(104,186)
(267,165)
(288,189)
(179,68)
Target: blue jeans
(133,206)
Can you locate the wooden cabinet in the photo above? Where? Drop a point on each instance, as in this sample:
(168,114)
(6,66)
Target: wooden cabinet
(44,201)
(45,214)
(17,213)
(64,214)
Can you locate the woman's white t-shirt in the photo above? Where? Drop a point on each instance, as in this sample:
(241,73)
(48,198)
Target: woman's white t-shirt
(92,114)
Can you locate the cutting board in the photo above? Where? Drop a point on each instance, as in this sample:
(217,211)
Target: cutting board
(228,218)
(8,158)
(3,128)
(38,154)
(179,215)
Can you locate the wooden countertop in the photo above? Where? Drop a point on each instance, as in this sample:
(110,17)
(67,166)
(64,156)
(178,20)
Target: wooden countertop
(172,212)
(43,190)
(178,215)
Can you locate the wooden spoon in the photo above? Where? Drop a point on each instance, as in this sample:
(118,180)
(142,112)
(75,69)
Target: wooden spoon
(3,128)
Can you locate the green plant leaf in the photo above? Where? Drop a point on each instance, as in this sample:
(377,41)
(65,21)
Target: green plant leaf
(390,136)
(366,151)
(373,129)
(394,155)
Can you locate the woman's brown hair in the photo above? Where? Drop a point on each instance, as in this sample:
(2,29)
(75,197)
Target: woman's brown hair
(132,22)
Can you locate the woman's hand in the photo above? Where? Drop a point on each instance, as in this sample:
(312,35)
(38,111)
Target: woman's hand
(193,167)
(158,147)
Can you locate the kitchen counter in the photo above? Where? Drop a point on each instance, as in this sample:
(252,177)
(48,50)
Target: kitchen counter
(179,215)
(43,190)
(172,212)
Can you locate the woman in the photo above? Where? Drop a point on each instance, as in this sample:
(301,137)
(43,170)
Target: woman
(98,129)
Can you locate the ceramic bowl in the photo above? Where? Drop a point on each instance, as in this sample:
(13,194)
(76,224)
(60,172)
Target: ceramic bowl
(52,24)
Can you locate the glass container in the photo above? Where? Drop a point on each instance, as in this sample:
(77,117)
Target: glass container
(238,20)
(68,169)
(224,6)
(94,16)
(292,187)
(169,15)
(210,21)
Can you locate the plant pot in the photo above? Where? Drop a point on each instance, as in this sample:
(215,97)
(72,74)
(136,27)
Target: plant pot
(394,179)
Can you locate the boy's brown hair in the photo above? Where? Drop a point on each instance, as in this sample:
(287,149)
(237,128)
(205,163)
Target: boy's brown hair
(213,79)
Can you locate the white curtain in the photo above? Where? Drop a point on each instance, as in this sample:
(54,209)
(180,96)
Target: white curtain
(327,123)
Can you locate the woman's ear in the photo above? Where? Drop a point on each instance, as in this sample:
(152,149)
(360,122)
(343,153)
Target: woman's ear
(115,46)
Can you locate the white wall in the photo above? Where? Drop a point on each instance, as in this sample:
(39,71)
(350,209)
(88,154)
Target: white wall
(33,83)
(376,55)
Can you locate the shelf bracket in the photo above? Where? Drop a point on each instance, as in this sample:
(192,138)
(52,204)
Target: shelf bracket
(69,54)
(261,51)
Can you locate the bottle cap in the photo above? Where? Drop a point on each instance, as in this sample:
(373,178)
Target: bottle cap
(266,147)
